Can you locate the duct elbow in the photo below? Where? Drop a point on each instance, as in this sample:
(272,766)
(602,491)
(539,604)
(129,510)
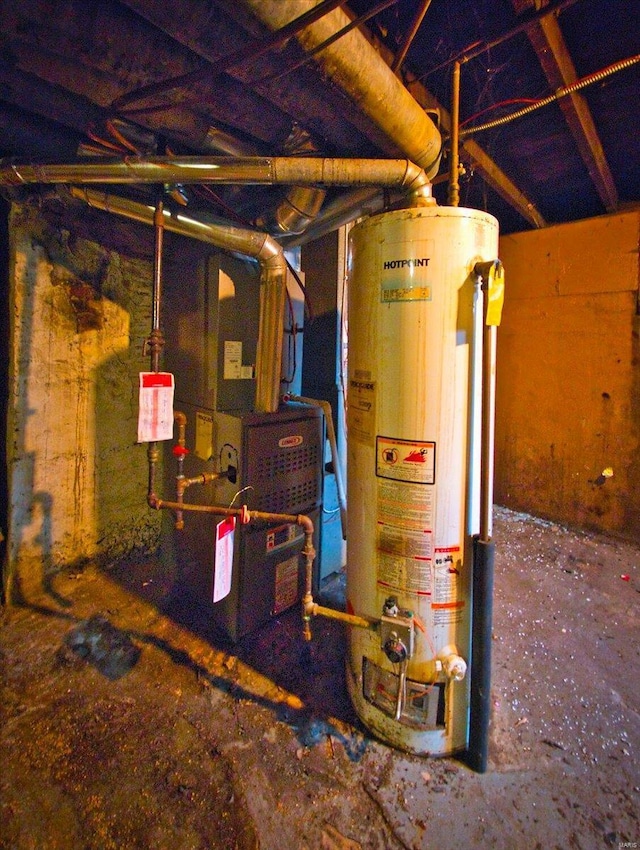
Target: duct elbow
(296,212)
(418,185)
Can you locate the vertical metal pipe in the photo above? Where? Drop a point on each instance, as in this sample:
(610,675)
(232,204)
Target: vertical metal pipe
(454,171)
(155,341)
(488,430)
(483,556)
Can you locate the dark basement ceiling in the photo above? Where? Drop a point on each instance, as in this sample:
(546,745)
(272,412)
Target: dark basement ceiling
(68,71)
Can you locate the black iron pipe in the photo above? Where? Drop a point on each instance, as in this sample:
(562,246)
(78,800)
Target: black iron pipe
(481,636)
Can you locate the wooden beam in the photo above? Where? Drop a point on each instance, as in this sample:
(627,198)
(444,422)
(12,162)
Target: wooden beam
(549,44)
(474,156)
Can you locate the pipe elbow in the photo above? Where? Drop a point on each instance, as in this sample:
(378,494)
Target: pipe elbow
(306,523)
(418,185)
(153,501)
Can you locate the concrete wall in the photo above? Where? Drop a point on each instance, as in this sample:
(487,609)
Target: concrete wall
(77,479)
(568,385)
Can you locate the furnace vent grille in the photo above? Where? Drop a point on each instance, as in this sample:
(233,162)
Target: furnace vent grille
(284,463)
(293,500)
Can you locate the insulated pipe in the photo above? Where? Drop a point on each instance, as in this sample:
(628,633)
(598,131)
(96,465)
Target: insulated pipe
(357,68)
(243,171)
(331,434)
(483,555)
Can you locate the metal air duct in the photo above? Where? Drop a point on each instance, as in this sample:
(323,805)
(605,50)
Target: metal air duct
(251,243)
(358,69)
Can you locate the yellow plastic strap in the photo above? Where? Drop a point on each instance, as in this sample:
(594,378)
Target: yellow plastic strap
(495,294)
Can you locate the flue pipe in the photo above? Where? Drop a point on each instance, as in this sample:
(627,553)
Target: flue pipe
(296,210)
(357,68)
(251,243)
(242,171)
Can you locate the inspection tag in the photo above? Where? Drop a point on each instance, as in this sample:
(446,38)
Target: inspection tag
(155,414)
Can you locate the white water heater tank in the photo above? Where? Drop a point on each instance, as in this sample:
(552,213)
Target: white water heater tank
(412,469)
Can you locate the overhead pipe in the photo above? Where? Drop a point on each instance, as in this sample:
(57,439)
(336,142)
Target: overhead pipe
(296,210)
(401,174)
(354,65)
(241,171)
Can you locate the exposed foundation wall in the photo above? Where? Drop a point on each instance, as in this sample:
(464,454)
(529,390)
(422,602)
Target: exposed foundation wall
(77,478)
(568,385)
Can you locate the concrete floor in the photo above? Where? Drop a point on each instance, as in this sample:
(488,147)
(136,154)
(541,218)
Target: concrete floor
(128,724)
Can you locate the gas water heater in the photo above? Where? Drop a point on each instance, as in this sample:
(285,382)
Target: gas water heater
(412,469)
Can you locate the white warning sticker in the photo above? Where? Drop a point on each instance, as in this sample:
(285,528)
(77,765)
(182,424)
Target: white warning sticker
(406,460)
(406,575)
(405,504)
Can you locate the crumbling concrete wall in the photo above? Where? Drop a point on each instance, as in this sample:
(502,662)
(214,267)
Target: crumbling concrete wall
(77,477)
(568,381)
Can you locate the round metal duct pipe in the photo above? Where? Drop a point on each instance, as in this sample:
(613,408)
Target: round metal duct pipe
(354,65)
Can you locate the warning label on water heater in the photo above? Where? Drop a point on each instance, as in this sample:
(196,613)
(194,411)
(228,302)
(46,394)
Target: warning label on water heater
(404,539)
(406,460)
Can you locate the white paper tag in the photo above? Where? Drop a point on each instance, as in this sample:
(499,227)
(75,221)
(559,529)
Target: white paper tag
(224,558)
(155,415)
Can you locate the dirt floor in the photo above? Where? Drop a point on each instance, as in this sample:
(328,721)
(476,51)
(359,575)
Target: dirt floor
(128,724)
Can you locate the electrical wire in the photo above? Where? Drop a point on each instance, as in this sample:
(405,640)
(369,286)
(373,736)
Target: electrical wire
(502,103)
(559,93)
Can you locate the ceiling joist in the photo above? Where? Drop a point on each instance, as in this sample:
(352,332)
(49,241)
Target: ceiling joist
(548,42)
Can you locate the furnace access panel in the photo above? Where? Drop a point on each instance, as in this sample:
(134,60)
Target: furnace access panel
(274,462)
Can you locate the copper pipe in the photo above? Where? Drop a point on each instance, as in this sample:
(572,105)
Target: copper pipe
(180,451)
(454,170)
